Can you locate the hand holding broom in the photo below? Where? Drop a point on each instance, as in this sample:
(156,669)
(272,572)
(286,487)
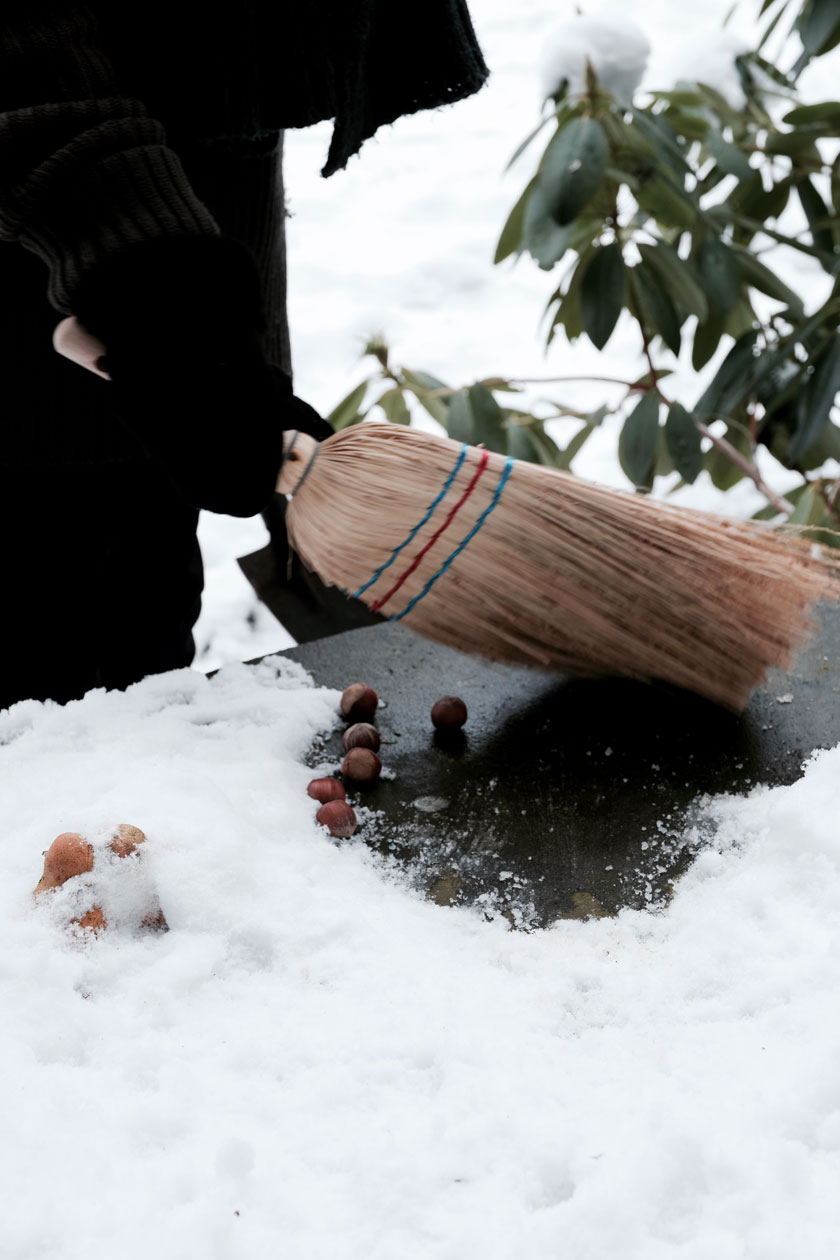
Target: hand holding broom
(534,566)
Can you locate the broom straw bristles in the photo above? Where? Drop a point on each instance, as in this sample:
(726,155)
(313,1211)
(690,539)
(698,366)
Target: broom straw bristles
(557,572)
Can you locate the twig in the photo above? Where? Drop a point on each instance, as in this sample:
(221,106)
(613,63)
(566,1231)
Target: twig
(553,380)
(653,377)
(749,470)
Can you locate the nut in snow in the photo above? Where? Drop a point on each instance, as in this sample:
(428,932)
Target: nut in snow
(361,765)
(362,735)
(324,790)
(449,713)
(68,855)
(338,818)
(358,702)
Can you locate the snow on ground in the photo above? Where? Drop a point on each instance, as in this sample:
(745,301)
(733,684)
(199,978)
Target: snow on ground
(315,1062)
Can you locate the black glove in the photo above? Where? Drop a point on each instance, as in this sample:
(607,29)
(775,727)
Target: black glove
(182,321)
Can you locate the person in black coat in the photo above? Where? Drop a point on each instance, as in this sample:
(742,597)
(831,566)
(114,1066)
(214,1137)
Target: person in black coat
(141,211)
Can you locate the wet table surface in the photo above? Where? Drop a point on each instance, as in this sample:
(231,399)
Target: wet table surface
(560,798)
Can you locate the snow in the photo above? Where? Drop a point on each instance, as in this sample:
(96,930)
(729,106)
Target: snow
(314,1061)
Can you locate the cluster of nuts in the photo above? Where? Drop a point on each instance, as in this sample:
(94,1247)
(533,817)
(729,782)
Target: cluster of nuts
(361,765)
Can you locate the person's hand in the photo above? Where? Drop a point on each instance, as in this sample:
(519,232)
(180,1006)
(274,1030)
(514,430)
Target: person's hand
(76,343)
(180,323)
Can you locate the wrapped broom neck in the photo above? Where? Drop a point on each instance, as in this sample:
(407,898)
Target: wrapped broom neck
(533,566)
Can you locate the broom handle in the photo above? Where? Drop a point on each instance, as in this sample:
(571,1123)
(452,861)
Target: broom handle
(299,451)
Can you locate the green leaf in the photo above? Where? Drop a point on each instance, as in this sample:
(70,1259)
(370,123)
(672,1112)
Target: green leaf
(572,168)
(655,307)
(510,241)
(818,215)
(707,337)
(677,277)
(571,449)
(547,450)
(687,124)
(826,111)
(347,410)
(460,424)
(425,380)
(660,135)
(816,400)
(757,276)
(729,158)
(723,472)
(792,144)
(827,446)
(521,444)
(771,25)
(393,404)
(681,96)
(663,203)
(719,273)
(807,505)
(543,238)
(740,319)
(532,135)
(733,379)
(683,440)
(488,420)
(421,385)
(819,24)
(754,202)
(638,441)
(602,294)
(568,310)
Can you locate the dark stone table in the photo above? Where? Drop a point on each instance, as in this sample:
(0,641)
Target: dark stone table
(562,798)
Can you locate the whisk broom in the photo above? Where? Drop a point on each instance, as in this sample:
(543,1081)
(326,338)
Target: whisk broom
(529,565)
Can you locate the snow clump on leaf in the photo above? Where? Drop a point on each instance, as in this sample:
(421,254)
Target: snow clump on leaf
(617,50)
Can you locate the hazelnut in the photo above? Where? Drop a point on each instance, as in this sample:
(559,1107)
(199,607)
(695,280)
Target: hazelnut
(68,855)
(126,839)
(361,765)
(362,735)
(449,713)
(358,702)
(324,790)
(338,818)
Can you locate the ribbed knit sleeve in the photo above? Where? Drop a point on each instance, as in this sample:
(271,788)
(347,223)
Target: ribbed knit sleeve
(84,170)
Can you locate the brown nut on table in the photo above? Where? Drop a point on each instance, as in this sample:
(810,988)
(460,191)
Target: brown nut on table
(361,765)
(362,735)
(449,713)
(358,702)
(324,790)
(338,817)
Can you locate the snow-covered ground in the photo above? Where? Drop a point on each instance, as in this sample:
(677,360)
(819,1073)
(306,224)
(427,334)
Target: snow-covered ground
(314,1062)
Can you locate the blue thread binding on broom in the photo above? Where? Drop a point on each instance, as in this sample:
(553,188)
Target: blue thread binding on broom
(417,528)
(506,471)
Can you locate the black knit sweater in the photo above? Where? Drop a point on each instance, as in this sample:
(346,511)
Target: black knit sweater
(97,101)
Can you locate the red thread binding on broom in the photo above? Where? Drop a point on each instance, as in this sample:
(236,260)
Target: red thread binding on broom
(380,603)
